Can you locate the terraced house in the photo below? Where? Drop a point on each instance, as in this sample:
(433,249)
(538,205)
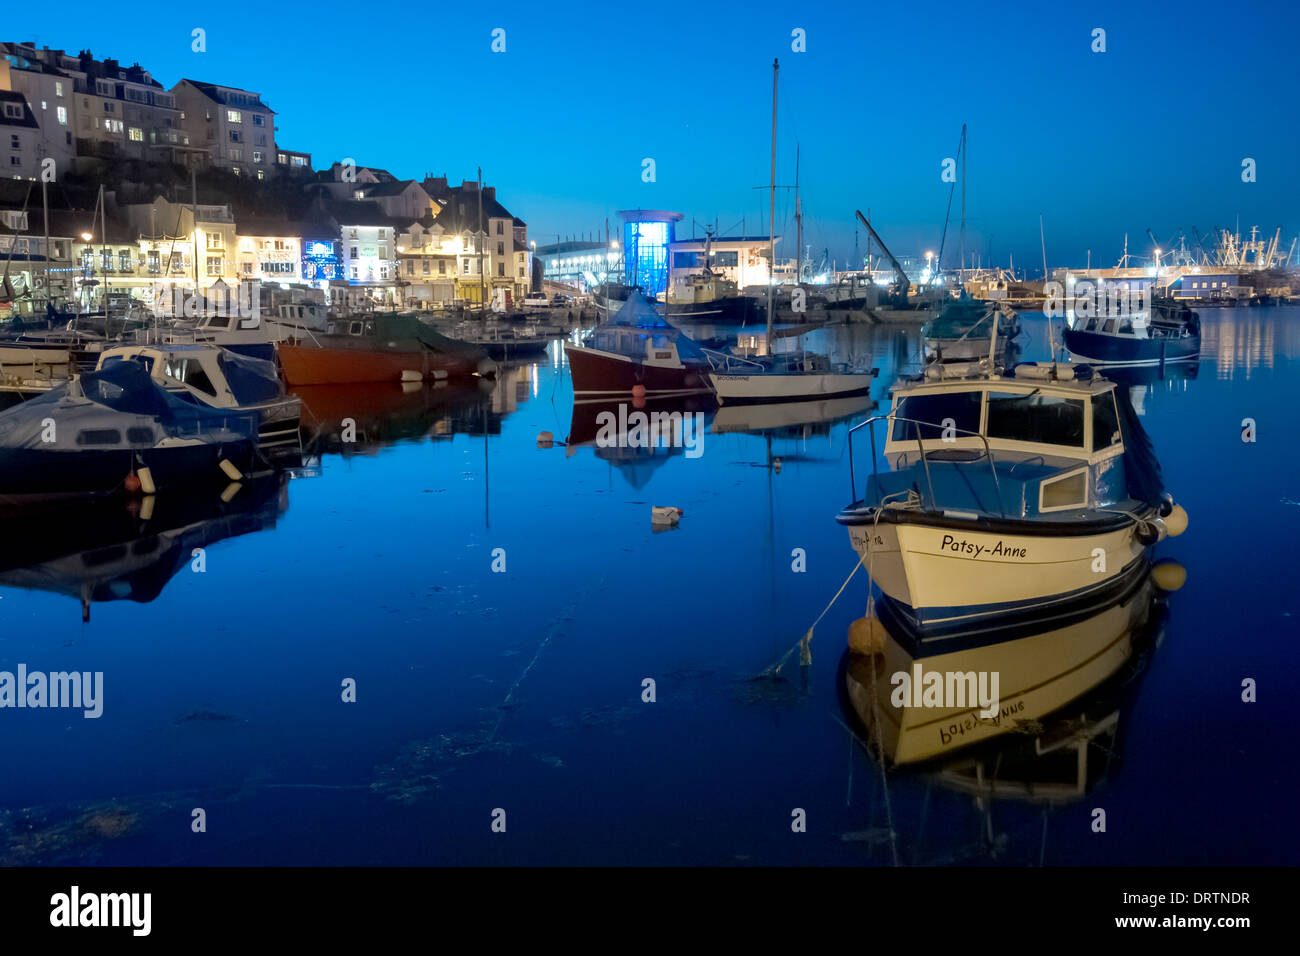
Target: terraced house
(234,125)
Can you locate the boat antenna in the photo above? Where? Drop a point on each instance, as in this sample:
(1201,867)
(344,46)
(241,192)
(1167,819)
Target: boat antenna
(1051,333)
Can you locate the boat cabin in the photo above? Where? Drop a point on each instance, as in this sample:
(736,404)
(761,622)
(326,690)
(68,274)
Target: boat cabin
(203,373)
(1027,444)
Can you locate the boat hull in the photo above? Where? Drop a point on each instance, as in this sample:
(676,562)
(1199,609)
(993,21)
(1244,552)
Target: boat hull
(311,365)
(38,474)
(950,581)
(776,387)
(597,374)
(1121,351)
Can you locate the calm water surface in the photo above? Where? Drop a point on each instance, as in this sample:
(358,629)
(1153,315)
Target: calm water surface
(522,690)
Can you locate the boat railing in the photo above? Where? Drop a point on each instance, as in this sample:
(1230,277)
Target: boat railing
(723,361)
(916,424)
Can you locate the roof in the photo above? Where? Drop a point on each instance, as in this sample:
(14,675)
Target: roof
(28,121)
(364,212)
(460,213)
(386,188)
(214,92)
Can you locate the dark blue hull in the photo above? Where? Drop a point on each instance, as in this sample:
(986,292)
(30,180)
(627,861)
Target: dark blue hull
(1096,348)
(33,473)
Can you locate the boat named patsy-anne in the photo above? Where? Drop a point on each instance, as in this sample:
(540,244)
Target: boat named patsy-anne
(1026,493)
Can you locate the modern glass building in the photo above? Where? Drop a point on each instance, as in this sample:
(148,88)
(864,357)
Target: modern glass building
(647,234)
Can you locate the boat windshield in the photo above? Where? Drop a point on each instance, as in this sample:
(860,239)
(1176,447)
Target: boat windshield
(1038,418)
(959,410)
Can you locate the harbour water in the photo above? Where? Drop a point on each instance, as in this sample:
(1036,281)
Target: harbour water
(501,605)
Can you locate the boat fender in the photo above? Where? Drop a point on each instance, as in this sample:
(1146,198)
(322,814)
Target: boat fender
(131,483)
(230,491)
(1166,504)
(146,508)
(1169,575)
(231,471)
(1176,521)
(410,375)
(146,481)
(545,440)
(638,392)
(776,465)
(867,636)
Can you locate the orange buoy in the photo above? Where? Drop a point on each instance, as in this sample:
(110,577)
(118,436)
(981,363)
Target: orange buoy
(638,392)
(131,483)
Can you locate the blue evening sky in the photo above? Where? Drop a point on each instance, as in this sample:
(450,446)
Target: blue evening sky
(1151,133)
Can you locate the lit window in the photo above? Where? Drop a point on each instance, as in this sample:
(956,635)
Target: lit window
(234,116)
(62,113)
(136,134)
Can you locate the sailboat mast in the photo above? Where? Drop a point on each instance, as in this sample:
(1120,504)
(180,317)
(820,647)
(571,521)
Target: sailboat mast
(45,205)
(798,219)
(961,281)
(771,214)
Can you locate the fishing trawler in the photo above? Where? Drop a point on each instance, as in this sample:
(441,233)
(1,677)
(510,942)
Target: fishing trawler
(636,349)
(961,330)
(1164,335)
(1011,494)
(379,347)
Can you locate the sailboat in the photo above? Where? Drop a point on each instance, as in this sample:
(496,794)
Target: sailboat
(790,377)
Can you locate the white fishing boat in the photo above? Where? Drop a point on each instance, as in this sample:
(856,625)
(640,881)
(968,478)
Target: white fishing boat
(1023,493)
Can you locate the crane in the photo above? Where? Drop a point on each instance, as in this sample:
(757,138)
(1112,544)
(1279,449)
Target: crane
(904,284)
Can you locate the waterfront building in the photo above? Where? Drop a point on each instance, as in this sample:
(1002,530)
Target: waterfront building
(582,265)
(741,259)
(47,94)
(236,127)
(494,257)
(368,243)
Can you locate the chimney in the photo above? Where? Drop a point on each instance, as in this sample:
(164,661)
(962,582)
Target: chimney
(489,193)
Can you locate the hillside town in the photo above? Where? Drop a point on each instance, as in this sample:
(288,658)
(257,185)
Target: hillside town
(119,190)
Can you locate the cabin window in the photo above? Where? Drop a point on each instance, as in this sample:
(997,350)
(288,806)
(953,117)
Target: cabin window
(191,373)
(1105,422)
(1070,491)
(354,328)
(1034,417)
(1109,326)
(218,322)
(139,436)
(963,408)
(1126,327)
(370,328)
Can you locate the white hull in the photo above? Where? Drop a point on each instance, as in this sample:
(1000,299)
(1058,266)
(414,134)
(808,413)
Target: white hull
(955,578)
(781,386)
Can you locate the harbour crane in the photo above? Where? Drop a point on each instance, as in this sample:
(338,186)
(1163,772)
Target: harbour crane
(904,284)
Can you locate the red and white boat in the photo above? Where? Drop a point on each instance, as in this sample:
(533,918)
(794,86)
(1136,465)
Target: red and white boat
(637,347)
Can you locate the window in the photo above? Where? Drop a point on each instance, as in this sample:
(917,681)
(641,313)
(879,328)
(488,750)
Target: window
(110,107)
(1105,422)
(280,158)
(214,265)
(124,261)
(189,372)
(257,155)
(962,407)
(352,253)
(154,263)
(261,139)
(1046,419)
(58,87)
(1069,491)
(259,119)
(236,154)
(300,161)
(499,225)
(383,252)
(501,248)
(214,240)
(114,126)
(261,174)
(234,136)
(442,267)
(234,116)
(410,267)
(425,266)
(501,269)
(726,259)
(136,134)
(15,142)
(465,266)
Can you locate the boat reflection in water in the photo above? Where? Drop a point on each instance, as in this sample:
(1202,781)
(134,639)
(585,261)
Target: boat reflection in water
(1040,666)
(362,419)
(636,446)
(1144,380)
(1063,685)
(790,419)
(95,550)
